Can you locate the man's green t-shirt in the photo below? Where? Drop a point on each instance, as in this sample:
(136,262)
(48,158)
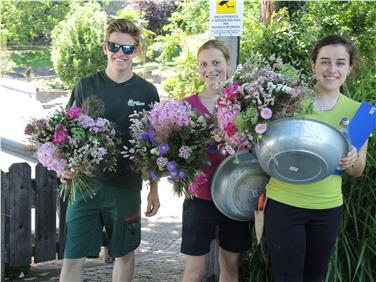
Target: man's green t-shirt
(120,100)
(323,194)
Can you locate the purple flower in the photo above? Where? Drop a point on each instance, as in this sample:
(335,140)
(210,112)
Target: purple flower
(173,173)
(144,135)
(101,122)
(86,121)
(266,113)
(152,139)
(48,156)
(162,162)
(185,152)
(261,128)
(74,112)
(153,175)
(183,174)
(171,166)
(212,148)
(102,151)
(163,148)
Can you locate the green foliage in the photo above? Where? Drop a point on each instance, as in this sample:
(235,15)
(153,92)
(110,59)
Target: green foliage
(32,58)
(250,116)
(76,45)
(30,22)
(189,18)
(185,81)
(287,39)
(183,36)
(6,63)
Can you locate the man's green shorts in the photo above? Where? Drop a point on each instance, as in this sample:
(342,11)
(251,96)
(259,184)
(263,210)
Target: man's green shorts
(116,208)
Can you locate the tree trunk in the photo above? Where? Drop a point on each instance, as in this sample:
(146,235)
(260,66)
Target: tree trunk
(266,10)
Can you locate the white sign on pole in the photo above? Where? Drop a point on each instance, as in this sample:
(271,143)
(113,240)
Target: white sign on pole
(226,17)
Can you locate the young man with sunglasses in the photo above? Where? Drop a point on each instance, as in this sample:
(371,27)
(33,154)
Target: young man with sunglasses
(117,202)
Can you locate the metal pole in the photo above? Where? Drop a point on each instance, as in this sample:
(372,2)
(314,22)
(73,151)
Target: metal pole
(233,42)
(16,149)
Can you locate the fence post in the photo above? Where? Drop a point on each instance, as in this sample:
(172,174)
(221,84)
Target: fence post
(19,194)
(4,221)
(45,214)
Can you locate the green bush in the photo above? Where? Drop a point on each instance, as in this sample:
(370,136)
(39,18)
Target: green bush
(185,80)
(76,43)
(30,22)
(6,63)
(182,37)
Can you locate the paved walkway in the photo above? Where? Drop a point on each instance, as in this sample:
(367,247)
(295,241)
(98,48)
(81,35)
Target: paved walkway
(157,259)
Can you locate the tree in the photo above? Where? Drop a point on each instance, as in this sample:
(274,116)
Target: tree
(76,43)
(31,22)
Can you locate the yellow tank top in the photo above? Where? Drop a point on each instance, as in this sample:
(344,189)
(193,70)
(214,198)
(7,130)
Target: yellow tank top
(323,194)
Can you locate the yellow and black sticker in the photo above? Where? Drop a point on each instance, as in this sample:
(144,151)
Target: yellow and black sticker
(226,7)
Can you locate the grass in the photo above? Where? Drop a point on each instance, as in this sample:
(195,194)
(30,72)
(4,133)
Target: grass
(31,58)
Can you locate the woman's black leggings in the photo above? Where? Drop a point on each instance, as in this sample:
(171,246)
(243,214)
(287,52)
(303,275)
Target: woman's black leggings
(300,241)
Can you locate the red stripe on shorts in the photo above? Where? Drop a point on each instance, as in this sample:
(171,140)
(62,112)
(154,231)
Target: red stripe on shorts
(133,217)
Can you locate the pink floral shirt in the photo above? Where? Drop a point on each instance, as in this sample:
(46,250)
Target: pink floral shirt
(201,183)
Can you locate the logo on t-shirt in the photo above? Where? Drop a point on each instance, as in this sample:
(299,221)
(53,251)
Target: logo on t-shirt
(132,103)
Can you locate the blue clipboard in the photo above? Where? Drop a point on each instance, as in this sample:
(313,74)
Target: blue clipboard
(362,124)
(361,127)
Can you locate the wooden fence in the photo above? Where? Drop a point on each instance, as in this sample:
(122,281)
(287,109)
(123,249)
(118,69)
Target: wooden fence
(19,194)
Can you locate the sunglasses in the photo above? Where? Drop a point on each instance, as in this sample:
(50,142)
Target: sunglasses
(115,47)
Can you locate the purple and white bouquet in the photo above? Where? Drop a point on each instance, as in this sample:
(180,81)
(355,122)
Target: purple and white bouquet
(260,91)
(169,140)
(71,140)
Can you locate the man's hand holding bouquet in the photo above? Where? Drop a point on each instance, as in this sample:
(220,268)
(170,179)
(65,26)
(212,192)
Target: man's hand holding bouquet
(76,140)
(169,140)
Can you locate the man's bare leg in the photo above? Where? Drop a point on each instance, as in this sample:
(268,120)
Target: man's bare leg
(123,268)
(72,270)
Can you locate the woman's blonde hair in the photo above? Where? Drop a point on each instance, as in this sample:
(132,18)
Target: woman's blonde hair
(217,44)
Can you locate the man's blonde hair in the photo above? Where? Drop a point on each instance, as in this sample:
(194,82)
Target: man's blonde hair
(124,26)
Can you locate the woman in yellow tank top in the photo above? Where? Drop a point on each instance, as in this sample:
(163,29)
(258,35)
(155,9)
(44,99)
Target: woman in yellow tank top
(302,221)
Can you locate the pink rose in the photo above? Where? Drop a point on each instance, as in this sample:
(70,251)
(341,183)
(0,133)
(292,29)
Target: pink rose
(28,129)
(230,130)
(60,135)
(231,91)
(74,112)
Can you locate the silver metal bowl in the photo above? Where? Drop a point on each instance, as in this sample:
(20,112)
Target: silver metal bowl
(301,150)
(237,184)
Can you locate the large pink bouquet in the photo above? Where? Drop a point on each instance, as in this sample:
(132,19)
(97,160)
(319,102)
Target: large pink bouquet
(169,140)
(259,92)
(71,140)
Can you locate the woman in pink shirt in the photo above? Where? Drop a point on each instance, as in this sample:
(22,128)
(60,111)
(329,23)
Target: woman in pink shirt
(200,215)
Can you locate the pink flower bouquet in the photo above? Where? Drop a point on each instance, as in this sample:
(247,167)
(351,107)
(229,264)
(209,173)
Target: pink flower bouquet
(70,140)
(259,92)
(169,140)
